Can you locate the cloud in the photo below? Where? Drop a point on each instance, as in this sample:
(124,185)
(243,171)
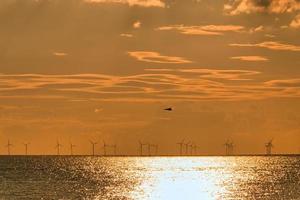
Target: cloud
(288,83)
(97,110)
(172,85)
(154,57)
(60,54)
(126,35)
(137,24)
(250,58)
(257,29)
(142,3)
(213,73)
(296,22)
(235,7)
(270,36)
(273,45)
(202,30)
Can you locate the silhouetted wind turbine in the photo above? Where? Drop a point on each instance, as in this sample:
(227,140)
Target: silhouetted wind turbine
(8,146)
(155,146)
(26,147)
(187,148)
(72,146)
(58,146)
(191,148)
(149,149)
(180,146)
(195,147)
(93,147)
(231,148)
(269,146)
(156,149)
(227,147)
(141,147)
(104,147)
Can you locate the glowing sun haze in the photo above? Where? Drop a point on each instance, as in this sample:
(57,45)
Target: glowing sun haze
(80,70)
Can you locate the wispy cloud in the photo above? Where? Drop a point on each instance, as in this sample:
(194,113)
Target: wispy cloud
(154,57)
(202,30)
(235,7)
(60,54)
(227,74)
(257,29)
(175,85)
(287,83)
(126,35)
(296,22)
(250,58)
(273,45)
(142,3)
(97,110)
(137,24)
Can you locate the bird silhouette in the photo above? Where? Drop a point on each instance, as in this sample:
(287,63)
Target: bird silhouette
(168,109)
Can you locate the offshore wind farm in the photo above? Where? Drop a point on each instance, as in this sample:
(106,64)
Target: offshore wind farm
(144,149)
(150,99)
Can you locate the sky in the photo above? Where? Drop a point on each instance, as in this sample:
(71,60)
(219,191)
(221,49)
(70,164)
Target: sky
(80,70)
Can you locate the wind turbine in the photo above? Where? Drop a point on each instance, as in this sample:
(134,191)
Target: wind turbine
(186,147)
(231,148)
(26,147)
(155,146)
(195,149)
(156,149)
(149,149)
(269,146)
(191,148)
(141,147)
(58,146)
(8,146)
(180,146)
(104,147)
(72,146)
(227,147)
(93,147)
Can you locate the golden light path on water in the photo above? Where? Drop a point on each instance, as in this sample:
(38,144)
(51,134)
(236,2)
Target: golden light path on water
(182,179)
(149,178)
(205,178)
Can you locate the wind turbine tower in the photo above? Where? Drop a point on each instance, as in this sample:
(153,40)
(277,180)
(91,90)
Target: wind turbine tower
(8,147)
(156,149)
(227,148)
(180,146)
(155,146)
(195,149)
(186,148)
(231,148)
(269,146)
(141,147)
(58,146)
(26,147)
(93,147)
(72,146)
(104,147)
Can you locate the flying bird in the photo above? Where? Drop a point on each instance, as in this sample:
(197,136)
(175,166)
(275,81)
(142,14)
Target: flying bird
(168,109)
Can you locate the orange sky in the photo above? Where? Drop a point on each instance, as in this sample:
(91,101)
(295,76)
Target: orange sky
(80,70)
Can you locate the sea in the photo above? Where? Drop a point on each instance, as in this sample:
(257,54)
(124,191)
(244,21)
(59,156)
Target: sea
(143,178)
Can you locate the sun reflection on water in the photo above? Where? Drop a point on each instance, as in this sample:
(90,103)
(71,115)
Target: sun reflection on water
(181,178)
(150,178)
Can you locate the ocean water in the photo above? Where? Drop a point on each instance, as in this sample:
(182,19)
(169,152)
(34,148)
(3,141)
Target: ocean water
(84,177)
